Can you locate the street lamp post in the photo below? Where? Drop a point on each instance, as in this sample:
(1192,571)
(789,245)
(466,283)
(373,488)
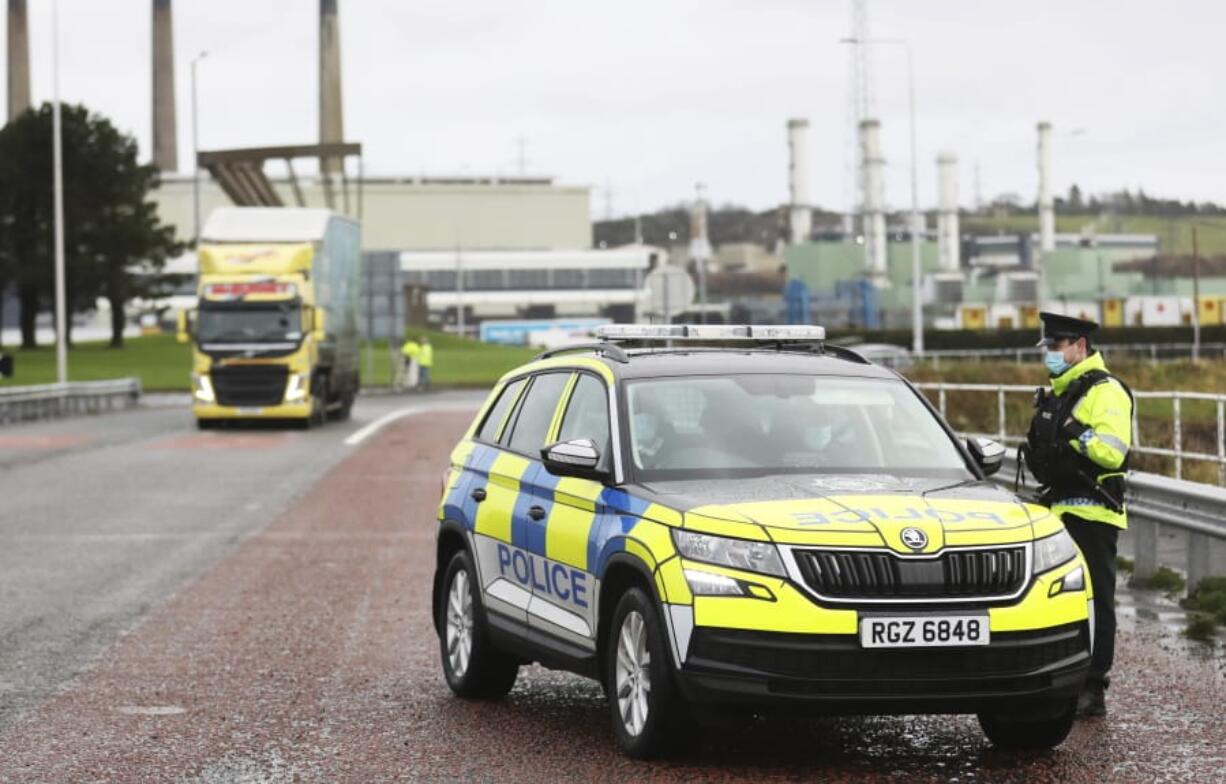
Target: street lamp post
(917,307)
(196,149)
(61,314)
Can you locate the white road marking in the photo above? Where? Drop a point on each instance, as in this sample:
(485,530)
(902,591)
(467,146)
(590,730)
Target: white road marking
(151,710)
(369,430)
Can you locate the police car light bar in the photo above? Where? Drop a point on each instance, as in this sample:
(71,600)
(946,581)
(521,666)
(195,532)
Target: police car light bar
(719,332)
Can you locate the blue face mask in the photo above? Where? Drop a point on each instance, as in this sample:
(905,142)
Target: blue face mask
(1055,362)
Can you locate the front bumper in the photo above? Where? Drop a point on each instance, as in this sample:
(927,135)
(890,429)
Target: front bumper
(300,410)
(831,673)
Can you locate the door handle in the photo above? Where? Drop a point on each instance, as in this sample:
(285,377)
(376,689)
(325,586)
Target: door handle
(479,494)
(536,513)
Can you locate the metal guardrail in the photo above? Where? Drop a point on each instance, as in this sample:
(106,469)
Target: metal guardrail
(45,401)
(1175,451)
(1154,501)
(1152,351)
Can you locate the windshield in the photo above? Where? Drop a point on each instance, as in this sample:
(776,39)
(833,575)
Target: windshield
(747,425)
(266,322)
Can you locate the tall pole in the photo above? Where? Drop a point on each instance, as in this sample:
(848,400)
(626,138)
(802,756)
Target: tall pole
(61,317)
(917,306)
(1195,297)
(459,290)
(196,148)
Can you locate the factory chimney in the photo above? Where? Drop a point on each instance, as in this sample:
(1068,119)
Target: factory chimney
(948,250)
(1047,211)
(331,116)
(165,148)
(874,200)
(18,59)
(798,182)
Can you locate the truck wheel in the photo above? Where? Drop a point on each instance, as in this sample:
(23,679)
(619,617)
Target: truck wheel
(474,668)
(649,717)
(1041,729)
(319,404)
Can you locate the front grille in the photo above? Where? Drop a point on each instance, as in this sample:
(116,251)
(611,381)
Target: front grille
(249,385)
(839,657)
(846,574)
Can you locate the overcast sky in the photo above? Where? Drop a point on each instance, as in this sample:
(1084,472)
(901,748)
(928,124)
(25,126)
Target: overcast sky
(653,96)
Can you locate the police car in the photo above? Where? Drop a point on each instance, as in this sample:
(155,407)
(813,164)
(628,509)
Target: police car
(743,516)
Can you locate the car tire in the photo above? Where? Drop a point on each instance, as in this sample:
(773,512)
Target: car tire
(648,715)
(1043,729)
(473,667)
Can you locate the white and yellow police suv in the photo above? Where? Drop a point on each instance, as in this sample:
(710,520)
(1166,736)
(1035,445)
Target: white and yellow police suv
(744,516)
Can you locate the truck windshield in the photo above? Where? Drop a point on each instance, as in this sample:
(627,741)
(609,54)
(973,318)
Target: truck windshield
(246,322)
(757,424)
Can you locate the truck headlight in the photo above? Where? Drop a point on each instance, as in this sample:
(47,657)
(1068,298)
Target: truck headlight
(761,557)
(202,388)
(295,388)
(1051,551)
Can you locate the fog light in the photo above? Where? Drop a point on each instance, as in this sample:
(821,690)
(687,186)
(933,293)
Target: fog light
(1075,580)
(708,584)
(202,388)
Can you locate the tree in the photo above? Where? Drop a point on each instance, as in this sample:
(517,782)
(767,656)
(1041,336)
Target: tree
(114,245)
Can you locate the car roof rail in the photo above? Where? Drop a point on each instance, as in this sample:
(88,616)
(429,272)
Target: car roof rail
(609,350)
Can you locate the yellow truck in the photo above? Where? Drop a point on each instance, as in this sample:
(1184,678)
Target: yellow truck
(275,330)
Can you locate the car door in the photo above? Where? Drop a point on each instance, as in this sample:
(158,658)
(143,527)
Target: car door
(561,514)
(501,534)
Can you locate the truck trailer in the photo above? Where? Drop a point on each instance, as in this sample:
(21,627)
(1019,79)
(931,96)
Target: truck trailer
(275,329)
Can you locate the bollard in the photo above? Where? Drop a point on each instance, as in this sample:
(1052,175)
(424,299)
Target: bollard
(1198,559)
(1145,548)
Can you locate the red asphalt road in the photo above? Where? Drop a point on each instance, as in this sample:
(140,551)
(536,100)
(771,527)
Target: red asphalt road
(308,655)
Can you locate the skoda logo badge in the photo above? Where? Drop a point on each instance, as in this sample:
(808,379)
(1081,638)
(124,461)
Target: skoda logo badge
(914,538)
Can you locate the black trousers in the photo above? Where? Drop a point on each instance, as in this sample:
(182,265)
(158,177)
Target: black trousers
(1097,542)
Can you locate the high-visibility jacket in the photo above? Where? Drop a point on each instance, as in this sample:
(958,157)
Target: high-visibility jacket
(411,349)
(425,356)
(1103,419)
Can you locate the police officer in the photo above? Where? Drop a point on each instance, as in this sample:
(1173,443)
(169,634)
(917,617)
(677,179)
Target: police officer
(1077,448)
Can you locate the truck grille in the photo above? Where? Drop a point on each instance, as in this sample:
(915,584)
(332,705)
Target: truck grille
(843,574)
(249,385)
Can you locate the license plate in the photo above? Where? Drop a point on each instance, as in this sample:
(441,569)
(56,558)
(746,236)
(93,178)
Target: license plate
(924,631)
(249,411)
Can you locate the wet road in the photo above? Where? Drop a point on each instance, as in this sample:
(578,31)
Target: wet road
(292,641)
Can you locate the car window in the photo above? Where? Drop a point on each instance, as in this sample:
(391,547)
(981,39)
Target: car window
(587,416)
(767,423)
(489,428)
(536,413)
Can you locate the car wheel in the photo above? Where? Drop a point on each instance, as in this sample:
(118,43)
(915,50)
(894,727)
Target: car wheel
(474,668)
(1042,729)
(648,716)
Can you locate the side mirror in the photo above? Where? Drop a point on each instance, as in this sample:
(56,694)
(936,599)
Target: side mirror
(987,453)
(577,457)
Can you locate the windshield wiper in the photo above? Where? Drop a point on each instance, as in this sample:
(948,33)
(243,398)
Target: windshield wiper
(953,486)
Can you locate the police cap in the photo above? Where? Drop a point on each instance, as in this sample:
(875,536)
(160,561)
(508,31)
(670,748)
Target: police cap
(1056,326)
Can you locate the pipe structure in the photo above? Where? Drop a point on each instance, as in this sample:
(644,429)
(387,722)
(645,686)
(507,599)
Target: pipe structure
(331,114)
(948,243)
(165,147)
(800,218)
(18,59)
(874,200)
(1047,207)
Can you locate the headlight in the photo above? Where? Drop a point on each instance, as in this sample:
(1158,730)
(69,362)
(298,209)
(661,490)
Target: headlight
(295,388)
(1051,551)
(202,388)
(761,557)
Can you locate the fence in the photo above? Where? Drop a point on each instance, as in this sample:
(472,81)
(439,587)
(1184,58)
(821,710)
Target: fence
(1176,451)
(1152,351)
(44,401)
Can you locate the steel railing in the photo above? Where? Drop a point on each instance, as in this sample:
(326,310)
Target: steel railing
(1154,501)
(1152,351)
(1176,451)
(45,401)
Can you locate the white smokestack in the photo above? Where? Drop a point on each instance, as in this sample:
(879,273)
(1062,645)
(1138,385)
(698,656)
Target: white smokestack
(331,115)
(165,129)
(18,59)
(798,181)
(948,244)
(1047,207)
(874,199)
